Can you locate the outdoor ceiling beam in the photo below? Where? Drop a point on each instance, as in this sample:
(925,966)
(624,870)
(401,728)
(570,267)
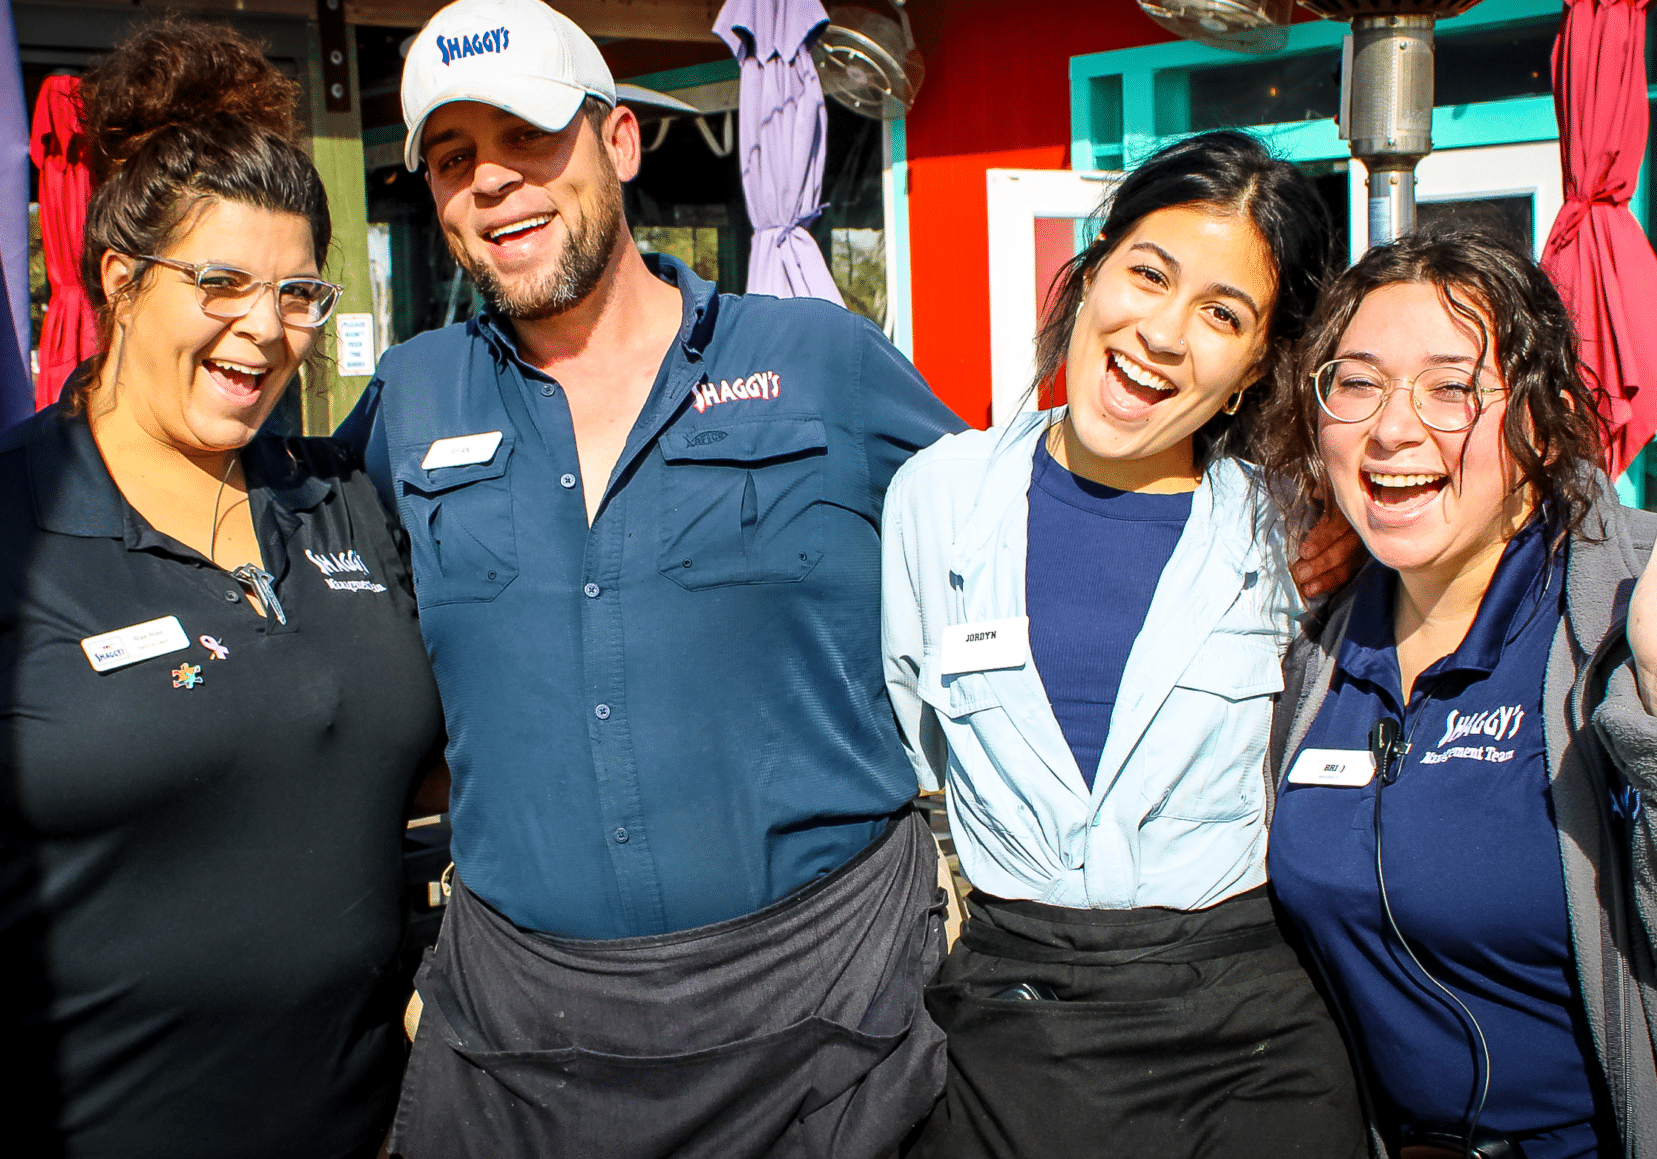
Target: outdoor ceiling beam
(645,19)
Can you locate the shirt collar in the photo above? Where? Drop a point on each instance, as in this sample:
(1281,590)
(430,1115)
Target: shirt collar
(1369,650)
(74,494)
(698,302)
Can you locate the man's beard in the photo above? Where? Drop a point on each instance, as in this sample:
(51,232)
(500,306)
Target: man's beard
(579,269)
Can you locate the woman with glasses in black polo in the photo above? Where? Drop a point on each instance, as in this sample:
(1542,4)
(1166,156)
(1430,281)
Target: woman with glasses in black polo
(214,699)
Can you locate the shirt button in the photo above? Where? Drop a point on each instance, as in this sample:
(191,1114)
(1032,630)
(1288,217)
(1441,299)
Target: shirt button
(566,480)
(231,596)
(548,390)
(620,836)
(602,712)
(591,591)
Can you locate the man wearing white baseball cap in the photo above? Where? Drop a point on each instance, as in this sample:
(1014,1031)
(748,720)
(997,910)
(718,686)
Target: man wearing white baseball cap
(693,906)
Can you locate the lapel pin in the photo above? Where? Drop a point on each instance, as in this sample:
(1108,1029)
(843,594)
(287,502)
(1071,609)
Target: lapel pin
(187,676)
(220,652)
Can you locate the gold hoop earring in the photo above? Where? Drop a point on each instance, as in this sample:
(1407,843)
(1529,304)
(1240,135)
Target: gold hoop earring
(1230,408)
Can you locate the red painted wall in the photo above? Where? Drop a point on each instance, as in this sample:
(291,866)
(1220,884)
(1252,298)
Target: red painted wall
(997,96)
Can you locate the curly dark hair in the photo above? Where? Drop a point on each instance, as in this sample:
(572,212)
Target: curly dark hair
(182,114)
(1234,173)
(1552,426)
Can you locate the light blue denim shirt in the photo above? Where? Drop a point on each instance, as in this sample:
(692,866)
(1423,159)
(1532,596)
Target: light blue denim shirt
(1176,817)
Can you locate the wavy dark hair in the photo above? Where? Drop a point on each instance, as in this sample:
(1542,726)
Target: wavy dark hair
(1552,426)
(180,115)
(1233,174)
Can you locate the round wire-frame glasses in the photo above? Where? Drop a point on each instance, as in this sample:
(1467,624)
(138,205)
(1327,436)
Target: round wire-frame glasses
(229,293)
(1446,398)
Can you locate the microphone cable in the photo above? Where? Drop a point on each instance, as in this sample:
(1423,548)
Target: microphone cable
(1384,746)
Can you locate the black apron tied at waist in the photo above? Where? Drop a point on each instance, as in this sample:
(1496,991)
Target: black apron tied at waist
(797,1030)
(1116,1034)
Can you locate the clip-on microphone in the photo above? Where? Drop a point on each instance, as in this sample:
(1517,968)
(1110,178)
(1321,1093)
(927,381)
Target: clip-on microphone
(1385,748)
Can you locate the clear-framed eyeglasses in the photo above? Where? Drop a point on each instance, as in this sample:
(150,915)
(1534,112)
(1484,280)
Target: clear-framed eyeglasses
(1446,398)
(229,293)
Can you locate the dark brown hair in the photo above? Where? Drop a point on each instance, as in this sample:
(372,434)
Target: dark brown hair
(1552,425)
(1230,173)
(182,114)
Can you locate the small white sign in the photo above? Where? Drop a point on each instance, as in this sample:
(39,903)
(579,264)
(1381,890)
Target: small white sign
(129,645)
(461,450)
(1336,768)
(985,645)
(355,335)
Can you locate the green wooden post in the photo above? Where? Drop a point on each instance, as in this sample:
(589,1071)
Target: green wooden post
(336,147)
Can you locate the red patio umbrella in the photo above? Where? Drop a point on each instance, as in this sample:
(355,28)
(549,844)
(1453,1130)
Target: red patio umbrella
(58,148)
(1596,253)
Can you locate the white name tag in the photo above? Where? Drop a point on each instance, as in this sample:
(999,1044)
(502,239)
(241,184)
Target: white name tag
(143,641)
(1339,768)
(985,645)
(462,450)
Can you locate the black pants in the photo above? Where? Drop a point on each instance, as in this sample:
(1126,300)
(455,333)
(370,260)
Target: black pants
(1175,1034)
(794,1033)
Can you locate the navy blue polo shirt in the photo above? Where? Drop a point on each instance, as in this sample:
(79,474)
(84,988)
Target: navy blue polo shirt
(1472,863)
(677,715)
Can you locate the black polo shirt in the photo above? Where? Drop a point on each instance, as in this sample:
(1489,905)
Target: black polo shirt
(200,881)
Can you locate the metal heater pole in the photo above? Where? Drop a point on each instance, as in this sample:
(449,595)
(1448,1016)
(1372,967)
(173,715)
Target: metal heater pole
(1392,114)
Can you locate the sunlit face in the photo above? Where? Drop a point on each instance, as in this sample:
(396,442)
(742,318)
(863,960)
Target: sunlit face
(205,384)
(1174,323)
(1424,501)
(532,216)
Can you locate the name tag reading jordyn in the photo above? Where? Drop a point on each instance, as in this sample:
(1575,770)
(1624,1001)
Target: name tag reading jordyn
(129,645)
(461,451)
(1336,768)
(985,645)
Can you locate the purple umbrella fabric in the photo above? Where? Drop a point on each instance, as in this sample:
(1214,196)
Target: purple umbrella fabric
(784,137)
(17,396)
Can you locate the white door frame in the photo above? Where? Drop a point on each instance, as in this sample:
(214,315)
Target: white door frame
(1017,197)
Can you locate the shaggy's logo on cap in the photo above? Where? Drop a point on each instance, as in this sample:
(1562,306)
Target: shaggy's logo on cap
(455,47)
(518,55)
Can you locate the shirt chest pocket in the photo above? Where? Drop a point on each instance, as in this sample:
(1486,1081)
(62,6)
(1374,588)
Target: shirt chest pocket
(459,521)
(1222,703)
(742,503)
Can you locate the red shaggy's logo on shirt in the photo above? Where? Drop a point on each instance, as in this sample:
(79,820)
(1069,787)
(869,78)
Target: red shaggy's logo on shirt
(761,384)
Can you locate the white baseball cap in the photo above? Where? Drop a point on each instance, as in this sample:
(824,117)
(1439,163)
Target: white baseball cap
(518,55)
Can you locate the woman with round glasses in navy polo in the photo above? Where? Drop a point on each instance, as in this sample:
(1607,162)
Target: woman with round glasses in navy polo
(1460,831)
(214,698)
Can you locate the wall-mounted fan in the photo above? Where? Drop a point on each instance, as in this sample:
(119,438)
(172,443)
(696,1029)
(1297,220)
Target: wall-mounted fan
(869,62)
(1238,25)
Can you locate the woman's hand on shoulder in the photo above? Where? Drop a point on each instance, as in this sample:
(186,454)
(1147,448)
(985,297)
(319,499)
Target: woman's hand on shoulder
(1330,555)
(1642,634)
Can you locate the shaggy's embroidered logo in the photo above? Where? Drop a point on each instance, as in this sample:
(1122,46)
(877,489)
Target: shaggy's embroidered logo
(455,47)
(763,384)
(1496,723)
(334,563)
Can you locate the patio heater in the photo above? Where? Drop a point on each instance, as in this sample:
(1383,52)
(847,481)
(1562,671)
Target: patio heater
(1388,80)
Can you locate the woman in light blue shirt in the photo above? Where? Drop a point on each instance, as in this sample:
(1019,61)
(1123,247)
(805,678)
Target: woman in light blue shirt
(1085,612)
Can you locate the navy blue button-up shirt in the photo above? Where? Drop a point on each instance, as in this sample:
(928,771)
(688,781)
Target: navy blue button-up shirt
(677,715)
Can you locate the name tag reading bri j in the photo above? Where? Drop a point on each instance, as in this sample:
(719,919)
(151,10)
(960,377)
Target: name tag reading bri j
(143,641)
(1337,768)
(985,645)
(461,451)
